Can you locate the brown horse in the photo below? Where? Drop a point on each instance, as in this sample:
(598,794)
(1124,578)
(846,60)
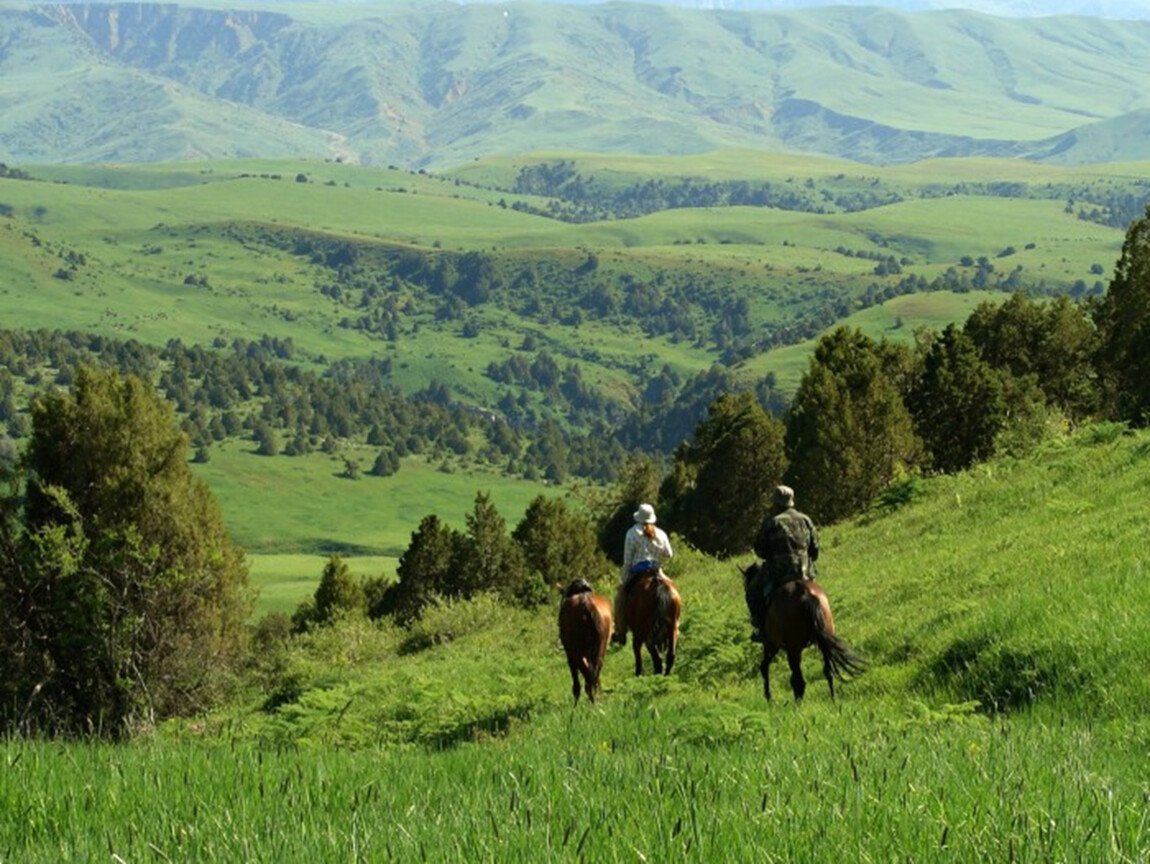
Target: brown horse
(652,613)
(800,615)
(584,629)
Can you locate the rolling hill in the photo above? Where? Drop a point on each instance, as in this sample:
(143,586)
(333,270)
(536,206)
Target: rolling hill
(436,84)
(459,281)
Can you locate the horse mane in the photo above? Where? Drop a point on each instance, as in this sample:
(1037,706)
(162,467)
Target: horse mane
(577,586)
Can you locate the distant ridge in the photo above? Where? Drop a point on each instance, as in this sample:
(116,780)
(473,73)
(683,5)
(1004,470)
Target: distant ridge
(438,84)
(1118,9)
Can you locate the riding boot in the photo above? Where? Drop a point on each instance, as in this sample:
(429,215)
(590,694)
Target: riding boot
(619,636)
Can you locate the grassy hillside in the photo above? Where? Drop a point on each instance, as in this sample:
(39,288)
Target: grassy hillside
(1011,585)
(1001,716)
(207,252)
(204,252)
(440,84)
(144,231)
(290,515)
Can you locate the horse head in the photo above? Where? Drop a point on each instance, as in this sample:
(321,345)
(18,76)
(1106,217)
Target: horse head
(577,586)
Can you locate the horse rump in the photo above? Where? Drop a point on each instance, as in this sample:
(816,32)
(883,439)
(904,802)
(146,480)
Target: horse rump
(652,615)
(841,661)
(666,613)
(584,630)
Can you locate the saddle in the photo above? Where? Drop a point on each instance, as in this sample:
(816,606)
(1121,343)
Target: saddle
(771,587)
(638,572)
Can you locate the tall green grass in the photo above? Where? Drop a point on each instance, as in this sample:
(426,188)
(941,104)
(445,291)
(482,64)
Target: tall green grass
(661,777)
(1002,717)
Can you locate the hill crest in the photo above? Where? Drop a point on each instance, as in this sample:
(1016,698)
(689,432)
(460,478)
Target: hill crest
(440,84)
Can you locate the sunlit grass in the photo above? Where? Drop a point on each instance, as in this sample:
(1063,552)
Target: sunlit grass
(1000,718)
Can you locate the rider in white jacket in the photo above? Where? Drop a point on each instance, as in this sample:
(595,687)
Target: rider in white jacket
(646,546)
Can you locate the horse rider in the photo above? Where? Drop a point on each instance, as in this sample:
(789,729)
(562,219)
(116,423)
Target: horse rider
(645,548)
(789,546)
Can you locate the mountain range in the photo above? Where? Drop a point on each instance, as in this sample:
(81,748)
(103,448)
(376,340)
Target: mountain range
(1127,9)
(439,84)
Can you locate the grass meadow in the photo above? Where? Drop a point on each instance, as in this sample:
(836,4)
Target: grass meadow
(291,514)
(157,254)
(1001,718)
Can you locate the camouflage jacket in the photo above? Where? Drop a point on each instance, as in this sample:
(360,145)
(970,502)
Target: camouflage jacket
(788,545)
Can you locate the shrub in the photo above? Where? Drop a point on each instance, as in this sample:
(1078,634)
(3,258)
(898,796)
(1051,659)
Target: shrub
(124,599)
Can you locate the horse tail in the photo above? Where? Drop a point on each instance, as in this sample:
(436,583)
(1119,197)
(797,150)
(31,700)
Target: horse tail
(665,613)
(840,659)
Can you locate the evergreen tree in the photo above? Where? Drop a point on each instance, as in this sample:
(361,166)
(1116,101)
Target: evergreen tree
(849,435)
(1053,341)
(338,593)
(386,463)
(559,543)
(724,477)
(1066,370)
(129,589)
(957,403)
(487,559)
(265,440)
(1123,319)
(424,569)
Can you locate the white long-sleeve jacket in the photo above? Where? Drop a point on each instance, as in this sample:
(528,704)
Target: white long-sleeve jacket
(637,546)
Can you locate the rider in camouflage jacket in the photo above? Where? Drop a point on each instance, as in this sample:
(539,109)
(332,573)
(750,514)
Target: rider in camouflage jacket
(788,545)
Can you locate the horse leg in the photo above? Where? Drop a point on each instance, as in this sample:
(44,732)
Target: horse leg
(591,677)
(769,653)
(637,647)
(574,678)
(670,658)
(798,683)
(656,658)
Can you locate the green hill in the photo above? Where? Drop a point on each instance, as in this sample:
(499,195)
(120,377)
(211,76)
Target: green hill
(440,84)
(1011,585)
(356,264)
(1001,714)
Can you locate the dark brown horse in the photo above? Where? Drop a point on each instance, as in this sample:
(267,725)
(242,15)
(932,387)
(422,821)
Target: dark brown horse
(652,613)
(800,615)
(584,629)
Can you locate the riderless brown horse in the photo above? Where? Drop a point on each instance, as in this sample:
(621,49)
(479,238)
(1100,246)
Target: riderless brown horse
(799,615)
(652,610)
(584,629)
